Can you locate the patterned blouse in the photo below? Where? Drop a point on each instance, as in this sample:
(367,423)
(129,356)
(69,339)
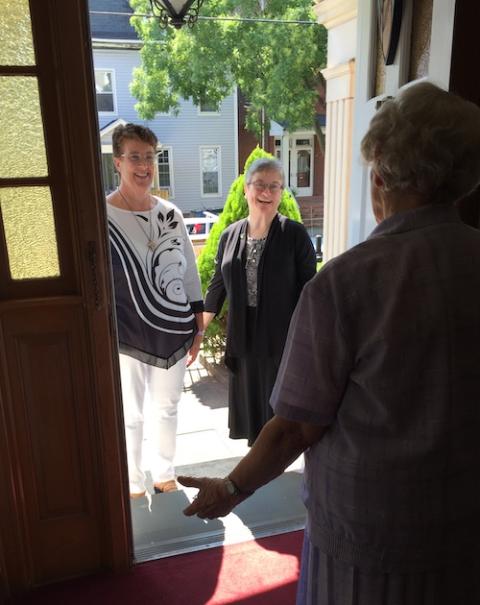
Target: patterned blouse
(157,288)
(253,254)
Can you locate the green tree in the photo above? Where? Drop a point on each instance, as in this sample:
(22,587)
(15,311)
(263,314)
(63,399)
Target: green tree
(235,208)
(277,66)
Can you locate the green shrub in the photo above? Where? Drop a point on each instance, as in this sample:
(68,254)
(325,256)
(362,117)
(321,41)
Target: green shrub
(235,208)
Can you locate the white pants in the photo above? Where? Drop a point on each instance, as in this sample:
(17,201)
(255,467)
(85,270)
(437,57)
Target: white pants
(153,394)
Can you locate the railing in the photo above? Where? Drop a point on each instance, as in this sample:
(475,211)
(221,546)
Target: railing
(198,227)
(314,226)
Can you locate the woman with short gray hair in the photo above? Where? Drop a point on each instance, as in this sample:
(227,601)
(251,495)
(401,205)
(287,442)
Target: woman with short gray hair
(262,263)
(380,383)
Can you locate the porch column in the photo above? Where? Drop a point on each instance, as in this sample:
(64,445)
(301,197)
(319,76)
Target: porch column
(339,17)
(285,153)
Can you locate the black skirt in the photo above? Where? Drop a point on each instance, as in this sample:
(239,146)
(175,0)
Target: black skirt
(251,382)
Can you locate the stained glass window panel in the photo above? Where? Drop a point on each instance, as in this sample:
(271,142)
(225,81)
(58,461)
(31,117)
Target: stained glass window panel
(29,232)
(16,45)
(22,145)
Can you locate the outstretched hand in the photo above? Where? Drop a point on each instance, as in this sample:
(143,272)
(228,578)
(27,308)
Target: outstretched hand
(212,500)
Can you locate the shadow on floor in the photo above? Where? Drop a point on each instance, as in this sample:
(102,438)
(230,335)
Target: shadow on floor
(161,529)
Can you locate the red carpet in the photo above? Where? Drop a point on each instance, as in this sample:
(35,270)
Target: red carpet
(262,572)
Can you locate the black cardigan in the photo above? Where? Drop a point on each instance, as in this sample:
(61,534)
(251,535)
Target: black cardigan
(288,261)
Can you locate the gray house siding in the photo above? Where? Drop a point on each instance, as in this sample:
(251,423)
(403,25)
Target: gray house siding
(183,135)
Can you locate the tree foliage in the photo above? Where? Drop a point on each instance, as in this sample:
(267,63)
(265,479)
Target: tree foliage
(235,208)
(277,66)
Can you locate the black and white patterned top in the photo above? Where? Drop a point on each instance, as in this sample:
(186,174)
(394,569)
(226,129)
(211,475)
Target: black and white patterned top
(157,289)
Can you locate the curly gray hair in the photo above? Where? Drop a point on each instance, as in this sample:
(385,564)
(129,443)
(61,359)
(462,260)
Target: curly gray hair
(426,140)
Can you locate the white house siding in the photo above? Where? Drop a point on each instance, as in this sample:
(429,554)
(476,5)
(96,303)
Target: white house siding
(184,134)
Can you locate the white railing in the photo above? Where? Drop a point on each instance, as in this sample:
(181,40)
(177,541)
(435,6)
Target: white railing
(198,227)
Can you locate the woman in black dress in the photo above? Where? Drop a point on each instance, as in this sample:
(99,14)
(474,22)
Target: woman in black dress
(262,264)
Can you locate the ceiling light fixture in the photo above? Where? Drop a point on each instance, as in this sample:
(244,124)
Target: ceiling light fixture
(176,12)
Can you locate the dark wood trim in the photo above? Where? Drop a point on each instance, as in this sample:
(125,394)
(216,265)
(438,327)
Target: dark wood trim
(464,82)
(465,52)
(18,70)
(28,181)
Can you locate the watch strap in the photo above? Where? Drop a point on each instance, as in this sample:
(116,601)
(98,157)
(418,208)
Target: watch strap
(234,490)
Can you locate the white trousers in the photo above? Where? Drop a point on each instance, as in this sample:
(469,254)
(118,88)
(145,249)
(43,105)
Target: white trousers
(150,400)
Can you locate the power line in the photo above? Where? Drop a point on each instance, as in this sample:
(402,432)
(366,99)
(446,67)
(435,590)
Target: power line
(205,18)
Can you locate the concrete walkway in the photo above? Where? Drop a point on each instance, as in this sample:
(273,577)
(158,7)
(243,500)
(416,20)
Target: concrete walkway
(202,434)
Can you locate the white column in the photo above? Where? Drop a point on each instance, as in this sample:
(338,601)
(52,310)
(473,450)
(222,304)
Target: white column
(285,147)
(339,17)
(338,152)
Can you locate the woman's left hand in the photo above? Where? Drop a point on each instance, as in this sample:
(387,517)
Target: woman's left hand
(213,499)
(194,349)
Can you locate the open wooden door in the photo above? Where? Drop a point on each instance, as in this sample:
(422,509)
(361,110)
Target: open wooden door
(64,499)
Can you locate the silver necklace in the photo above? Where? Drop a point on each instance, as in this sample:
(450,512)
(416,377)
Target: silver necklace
(151,243)
(262,236)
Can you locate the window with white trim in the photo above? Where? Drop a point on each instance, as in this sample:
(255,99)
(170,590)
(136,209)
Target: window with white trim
(105,89)
(210,162)
(111,178)
(110,175)
(278,148)
(165,174)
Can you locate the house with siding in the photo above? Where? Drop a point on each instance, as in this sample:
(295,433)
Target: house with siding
(198,148)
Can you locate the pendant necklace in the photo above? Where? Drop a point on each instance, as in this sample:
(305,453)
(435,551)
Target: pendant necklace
(151,243)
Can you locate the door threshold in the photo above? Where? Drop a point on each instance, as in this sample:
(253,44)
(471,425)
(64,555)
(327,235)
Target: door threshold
(161,529)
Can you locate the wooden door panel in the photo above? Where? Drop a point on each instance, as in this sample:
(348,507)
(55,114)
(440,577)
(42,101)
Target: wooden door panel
(48,378)
(64,506)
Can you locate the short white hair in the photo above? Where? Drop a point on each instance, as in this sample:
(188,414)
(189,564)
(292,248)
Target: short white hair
(265,165)
(426,140)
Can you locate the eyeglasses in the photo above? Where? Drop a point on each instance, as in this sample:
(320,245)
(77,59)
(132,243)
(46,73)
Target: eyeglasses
(261,187)
(136,158)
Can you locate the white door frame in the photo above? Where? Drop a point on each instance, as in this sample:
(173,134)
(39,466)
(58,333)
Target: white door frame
(361,220)
(294,152)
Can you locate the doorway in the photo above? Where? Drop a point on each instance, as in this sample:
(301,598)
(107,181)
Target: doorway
(301,165)
(203,447)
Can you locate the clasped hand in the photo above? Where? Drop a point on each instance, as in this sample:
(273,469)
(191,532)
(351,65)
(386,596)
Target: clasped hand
(212,500)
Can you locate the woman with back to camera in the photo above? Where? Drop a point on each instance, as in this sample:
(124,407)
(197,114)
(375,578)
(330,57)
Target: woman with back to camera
(262,264)
(380,384)
(158,302)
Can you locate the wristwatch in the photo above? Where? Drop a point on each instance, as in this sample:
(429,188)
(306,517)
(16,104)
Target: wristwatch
(233,489)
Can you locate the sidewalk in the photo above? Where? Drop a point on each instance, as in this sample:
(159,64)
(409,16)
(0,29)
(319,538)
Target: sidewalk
(202,433)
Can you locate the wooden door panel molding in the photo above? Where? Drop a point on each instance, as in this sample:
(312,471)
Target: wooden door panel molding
(47,377)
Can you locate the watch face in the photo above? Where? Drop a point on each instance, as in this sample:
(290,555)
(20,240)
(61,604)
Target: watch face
(230,487)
